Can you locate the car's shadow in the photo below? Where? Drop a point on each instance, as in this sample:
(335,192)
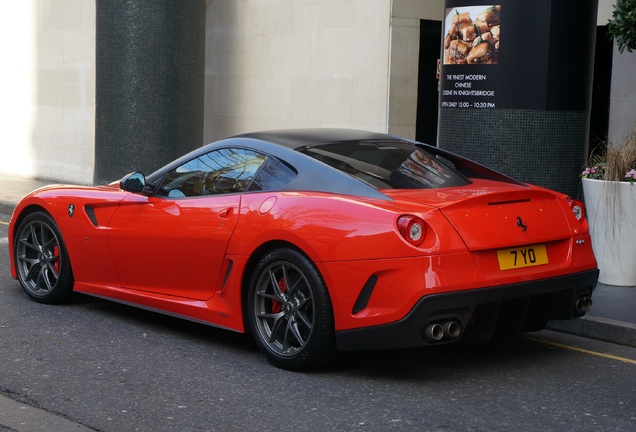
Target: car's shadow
(443,362)
(163,323)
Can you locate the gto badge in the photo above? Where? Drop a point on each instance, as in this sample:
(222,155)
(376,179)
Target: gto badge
(71,210)
(521,224)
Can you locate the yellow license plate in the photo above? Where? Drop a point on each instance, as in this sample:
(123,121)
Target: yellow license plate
(522,257)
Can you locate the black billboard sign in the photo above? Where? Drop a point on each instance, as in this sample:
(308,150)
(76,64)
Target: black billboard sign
(515,55)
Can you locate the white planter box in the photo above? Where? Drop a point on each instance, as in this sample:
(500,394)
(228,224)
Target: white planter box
(611,214)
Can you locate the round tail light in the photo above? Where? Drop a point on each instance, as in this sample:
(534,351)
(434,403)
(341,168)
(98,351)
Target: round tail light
(578,209)
(412,228)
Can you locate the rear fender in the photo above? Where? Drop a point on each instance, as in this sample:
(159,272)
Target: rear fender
(336,228)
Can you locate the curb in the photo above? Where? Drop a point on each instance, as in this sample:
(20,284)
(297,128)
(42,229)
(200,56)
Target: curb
(18,416)
(605,329)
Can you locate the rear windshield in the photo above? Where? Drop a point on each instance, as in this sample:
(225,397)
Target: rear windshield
(388,165)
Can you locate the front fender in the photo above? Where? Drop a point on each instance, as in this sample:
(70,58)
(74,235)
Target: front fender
(83,229)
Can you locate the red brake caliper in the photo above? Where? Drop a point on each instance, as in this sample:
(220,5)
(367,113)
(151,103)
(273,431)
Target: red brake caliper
(56,264)
(276,305)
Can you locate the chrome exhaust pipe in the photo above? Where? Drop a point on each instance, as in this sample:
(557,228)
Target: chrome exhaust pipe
(434,332)
(452,329)
(583,305)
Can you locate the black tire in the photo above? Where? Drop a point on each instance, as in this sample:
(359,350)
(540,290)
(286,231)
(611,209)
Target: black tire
(289,311)
(41,260)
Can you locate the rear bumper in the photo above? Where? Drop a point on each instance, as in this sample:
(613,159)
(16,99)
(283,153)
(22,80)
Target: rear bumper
(482,313)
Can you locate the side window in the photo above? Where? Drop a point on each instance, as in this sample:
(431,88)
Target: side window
(273,175)
(221,171)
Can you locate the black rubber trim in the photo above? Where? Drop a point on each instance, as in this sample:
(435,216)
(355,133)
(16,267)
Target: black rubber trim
(482,313)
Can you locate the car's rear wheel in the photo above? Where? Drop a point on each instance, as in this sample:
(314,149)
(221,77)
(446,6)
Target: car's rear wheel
(41,259)
(289,311)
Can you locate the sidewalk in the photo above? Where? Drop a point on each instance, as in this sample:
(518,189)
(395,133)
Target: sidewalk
(612,319)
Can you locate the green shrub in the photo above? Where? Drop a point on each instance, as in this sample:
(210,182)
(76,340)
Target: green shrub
(622,26)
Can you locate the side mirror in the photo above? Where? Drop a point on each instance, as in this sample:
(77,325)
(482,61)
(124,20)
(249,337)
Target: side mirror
(133,182)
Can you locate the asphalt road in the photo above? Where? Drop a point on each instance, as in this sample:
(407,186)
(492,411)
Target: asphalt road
(97,365)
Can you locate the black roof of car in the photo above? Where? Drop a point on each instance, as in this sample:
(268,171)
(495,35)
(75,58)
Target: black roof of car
(313,175)
(301,138)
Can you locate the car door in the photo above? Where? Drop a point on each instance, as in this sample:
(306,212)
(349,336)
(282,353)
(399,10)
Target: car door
(174,242)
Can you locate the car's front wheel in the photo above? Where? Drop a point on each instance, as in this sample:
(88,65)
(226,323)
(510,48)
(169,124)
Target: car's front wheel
(44,270)
(289,311)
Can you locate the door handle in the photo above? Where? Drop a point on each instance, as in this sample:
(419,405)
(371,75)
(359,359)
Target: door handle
(225,213)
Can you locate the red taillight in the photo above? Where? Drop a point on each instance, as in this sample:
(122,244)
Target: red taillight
(578,209)
(412,228)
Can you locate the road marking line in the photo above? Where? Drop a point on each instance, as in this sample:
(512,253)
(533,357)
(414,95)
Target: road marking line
(4,223)
(572,348)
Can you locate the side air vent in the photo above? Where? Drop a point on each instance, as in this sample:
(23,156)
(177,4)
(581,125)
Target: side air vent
(227,274)
(90,212)
(365,295)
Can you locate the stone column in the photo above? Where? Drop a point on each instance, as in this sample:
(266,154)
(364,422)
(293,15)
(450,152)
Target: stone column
(516,86)
(150,59)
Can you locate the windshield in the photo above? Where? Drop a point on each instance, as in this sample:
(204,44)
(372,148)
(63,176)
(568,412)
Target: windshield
(388,165)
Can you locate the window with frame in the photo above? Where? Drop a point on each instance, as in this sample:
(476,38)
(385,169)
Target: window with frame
(388,165)
(228,170)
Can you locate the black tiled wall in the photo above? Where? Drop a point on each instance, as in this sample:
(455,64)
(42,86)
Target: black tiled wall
(546,148)
(150,59)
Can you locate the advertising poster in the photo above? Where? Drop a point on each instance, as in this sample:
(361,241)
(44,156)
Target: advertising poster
(517,55)
(470,76)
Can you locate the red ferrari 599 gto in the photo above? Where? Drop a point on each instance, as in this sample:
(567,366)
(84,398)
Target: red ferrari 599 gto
(316,240)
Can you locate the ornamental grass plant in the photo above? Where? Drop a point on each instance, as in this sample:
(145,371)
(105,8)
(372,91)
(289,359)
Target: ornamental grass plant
(610,201)
(614,162)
